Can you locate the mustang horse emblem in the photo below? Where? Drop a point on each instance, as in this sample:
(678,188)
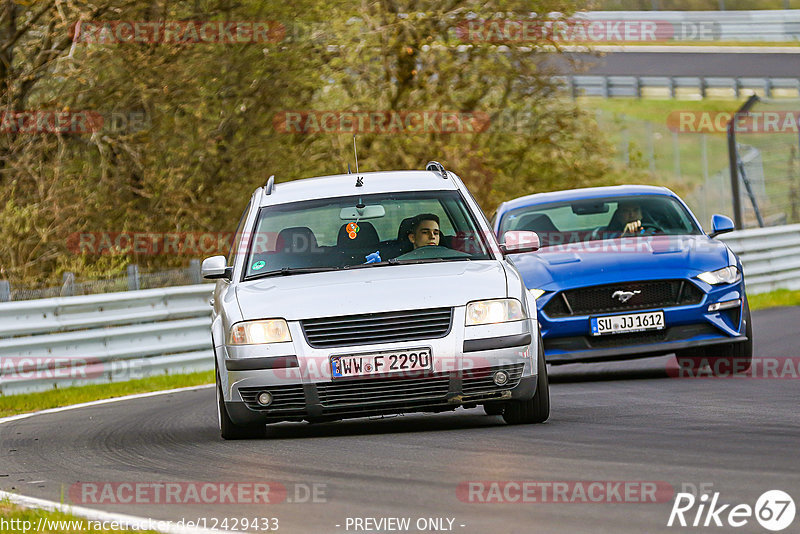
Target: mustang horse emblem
(624,296)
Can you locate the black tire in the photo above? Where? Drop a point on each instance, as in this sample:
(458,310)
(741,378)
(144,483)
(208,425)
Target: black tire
(494,408)
(230,430)
(536,409)
(723,360)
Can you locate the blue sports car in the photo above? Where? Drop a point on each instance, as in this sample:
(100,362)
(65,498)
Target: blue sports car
(626,272)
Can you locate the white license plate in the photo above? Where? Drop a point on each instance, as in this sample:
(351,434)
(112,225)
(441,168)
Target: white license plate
(634,322)
(381,363)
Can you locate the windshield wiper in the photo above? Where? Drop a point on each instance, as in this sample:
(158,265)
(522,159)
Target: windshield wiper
(292,270)
(432,260)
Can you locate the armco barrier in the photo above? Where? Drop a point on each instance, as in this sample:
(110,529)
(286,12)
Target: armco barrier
(770,257)
(639,86)
(66,341)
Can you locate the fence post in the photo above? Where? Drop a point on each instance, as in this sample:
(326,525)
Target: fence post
(68,288)
(651,148)
(5,291)
(194,271)
(677,153)
(133,277)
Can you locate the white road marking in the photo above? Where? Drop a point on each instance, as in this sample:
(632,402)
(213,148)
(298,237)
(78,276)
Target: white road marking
(131,522)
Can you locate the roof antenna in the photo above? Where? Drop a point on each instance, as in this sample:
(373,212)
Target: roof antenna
(359,179)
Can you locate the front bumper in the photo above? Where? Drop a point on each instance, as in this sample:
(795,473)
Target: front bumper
(313,401)
(464,362)
(569,339)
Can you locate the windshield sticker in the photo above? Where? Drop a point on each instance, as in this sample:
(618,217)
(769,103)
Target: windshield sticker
(257,266)
(352,230)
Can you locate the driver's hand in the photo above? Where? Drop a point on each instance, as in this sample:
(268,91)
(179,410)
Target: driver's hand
(632,227)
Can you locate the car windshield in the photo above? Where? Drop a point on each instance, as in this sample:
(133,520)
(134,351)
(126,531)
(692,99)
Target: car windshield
(602,218)
(363,231)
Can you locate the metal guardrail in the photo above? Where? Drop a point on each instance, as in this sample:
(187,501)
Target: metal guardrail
(67,341)
(756,25)
(637,86)
(770,257)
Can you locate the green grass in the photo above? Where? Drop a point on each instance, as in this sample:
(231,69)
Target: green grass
(642,127)
(31,402)
(781,297)
(16,516)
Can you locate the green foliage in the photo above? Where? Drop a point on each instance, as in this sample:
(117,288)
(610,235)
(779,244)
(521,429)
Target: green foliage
(204,133)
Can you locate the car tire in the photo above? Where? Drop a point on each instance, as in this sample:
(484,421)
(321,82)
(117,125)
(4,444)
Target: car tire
(230,430)
(537,408)
(494,408)
(722,359)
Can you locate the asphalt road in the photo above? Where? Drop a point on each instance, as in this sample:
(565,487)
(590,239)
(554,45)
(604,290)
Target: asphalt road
(626,421)
(691,64)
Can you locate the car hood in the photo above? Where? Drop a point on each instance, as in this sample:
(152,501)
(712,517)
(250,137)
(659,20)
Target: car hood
(636,258)
(371,290)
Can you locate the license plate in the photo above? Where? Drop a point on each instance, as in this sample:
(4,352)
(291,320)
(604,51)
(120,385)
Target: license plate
(634,322)
(381,363)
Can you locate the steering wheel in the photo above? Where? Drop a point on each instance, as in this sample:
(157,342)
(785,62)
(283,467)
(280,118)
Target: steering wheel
(644,228)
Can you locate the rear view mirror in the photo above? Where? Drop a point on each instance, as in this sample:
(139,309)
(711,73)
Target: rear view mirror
(589,208)
(366,212)
(519,241)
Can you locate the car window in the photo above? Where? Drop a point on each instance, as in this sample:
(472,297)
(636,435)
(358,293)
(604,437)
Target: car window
(590,219)
(237,236)
(329,233)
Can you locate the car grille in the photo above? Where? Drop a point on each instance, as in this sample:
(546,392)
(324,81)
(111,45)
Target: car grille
(286,399)
(369,328)
(599,299)
(395,391)
(476,381)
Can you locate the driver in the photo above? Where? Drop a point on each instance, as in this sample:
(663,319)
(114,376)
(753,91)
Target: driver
(630,214)
(424,230)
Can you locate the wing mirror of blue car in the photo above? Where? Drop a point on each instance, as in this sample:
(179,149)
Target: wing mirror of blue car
(721,224)
(519,241)
(214,268)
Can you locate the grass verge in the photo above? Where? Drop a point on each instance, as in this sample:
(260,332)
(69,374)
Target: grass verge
(22,520)
(774,299)
(31,402)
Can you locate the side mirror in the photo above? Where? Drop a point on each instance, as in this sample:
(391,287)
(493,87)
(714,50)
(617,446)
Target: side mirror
(214,268)
(519,241)
(721,224)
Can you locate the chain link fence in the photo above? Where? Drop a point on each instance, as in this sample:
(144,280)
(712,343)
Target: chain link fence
(132,281)
(696,165)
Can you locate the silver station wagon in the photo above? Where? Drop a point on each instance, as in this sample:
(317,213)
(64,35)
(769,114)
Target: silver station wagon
(368,294)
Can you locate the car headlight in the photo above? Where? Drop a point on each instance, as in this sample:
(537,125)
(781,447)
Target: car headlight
(726,275)
(494,311)
(536,293)
(259,332)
